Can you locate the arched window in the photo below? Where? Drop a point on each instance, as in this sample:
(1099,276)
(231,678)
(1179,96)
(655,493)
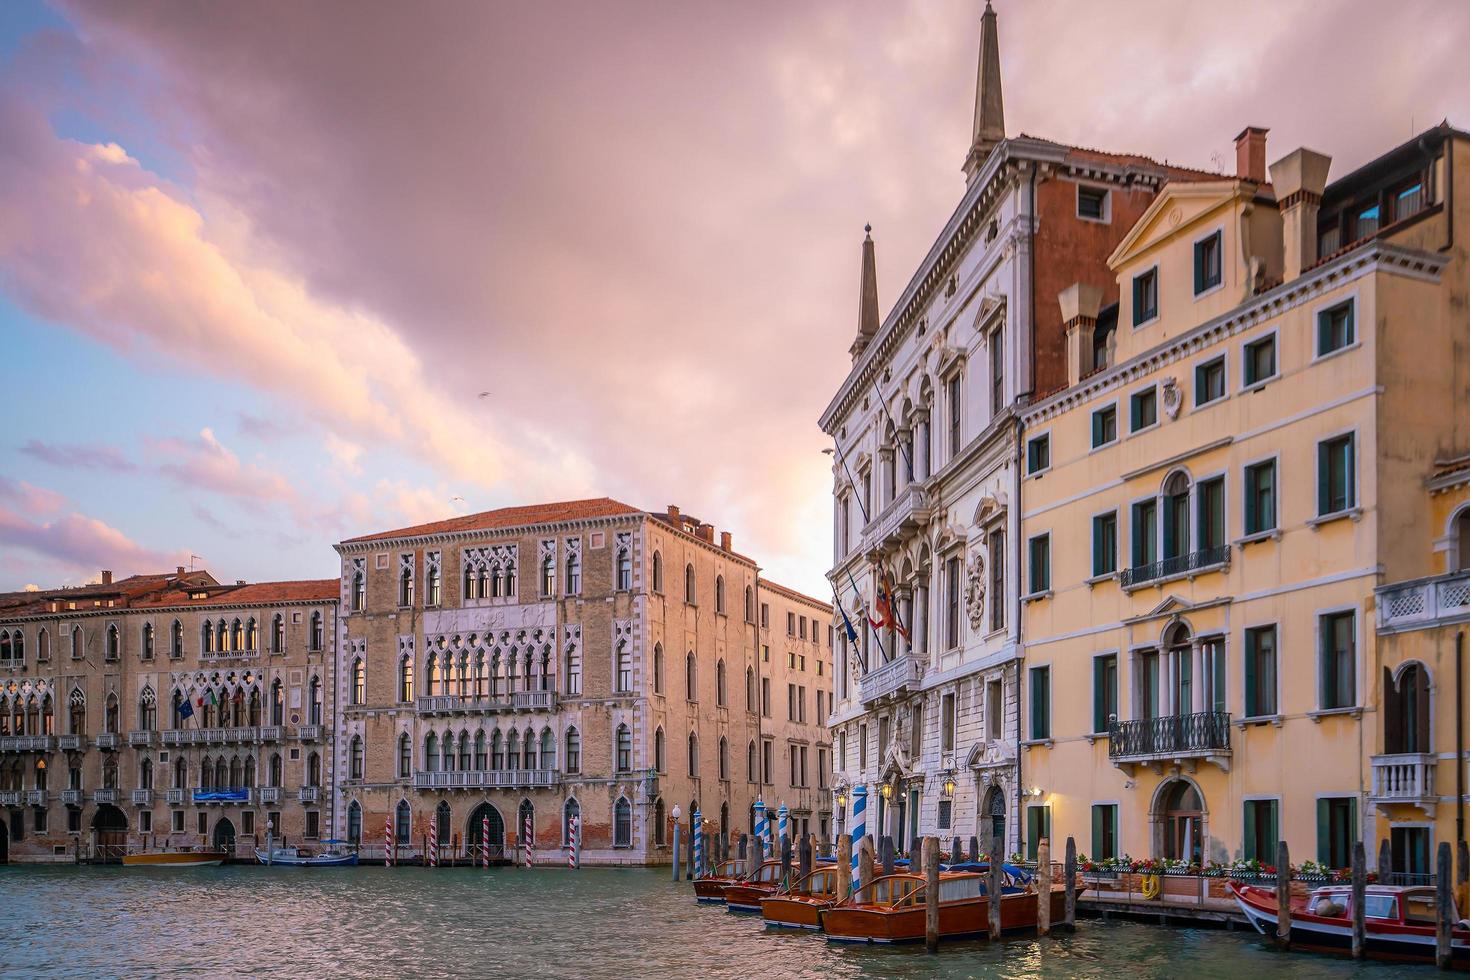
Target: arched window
(405,586)
(658,668)
(749,689)
(147,710)
(176,639)
(574,667)
(447,750)
(43,644)
(622,823)
(110,715)
(625,667)
(147,644)
(76,643)
(431,586)
(1406,710)
(573,756)
(570,814)
(237,635)
(314,701)
(658,822)
(206,773)
(317,637)
(481,759)
(48,722)
(359,590)
(273,775)
(405,757)
(145,774)
(254,715)
(109,772)
(690,596)
(693,756)
(354,823)
(206,638)
(724,758)
(441,826)
(313,770)
(181,773)
(720,683)
(625,568)
(405,678)
(750,762)
(624,744)
(403,824)
(77,712)
(574,573)
(114,642)
(529,759)
(359,682)
(658,573)
(749,605)
(278,634)
(513,750)
(1176,515)
(472,588)
(526,823)
(497,751)
(222,636)
(548,575)
(720,594)
(278,703)
(354,757)
(466,760)
(510,579)
(691,677)
(658,749)
(548,749)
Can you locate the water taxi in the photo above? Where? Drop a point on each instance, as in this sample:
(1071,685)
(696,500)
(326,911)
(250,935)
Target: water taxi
(338,854)
(175,859)
(710,888)
(891,908)
(745,895)
(801,905)
(1399,921)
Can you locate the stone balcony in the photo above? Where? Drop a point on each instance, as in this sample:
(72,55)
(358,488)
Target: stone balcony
(109,740)
(905,514)
(73,797)
(210,736)
(37,797)
(174,797)
(309,733)
(142,797)
(309,794)
(476,779)
(72,743)
(1204,735)
(11,797)
(106,795)
(28,743)
(896,676)
(268,794)
(140,739)
(1442,600)
(452,704)
(1404,778)
(272,733)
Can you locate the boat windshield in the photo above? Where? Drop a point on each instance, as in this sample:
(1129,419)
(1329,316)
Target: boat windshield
(1419,908)
(886,891)
(768,872)
(1380,907)
(818,883)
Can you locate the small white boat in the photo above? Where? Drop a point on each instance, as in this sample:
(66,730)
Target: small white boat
(335,856)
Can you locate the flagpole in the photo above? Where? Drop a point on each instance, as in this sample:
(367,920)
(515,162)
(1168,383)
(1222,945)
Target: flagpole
(842,457)
(884,406)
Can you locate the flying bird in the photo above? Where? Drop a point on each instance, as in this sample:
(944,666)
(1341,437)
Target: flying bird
(484,394)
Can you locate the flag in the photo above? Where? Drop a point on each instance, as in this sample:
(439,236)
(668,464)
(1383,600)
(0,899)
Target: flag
(852,636)
(239,696)
(186,709)
(887,613)
(212,698)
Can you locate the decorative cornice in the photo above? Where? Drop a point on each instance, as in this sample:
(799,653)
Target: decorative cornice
(472,534)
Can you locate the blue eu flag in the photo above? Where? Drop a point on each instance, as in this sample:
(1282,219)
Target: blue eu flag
(186,709)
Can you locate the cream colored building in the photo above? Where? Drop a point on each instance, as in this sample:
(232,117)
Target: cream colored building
(1207,513)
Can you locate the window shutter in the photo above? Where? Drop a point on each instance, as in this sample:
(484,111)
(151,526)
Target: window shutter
(1324,331)
(1350,473)
(1393,736)
(1097,833)
(1199,266)
(1324,832)
(1350,326)
(1421,721)
(1324,478)
(1099,699)
(1252,646)
(1137,300)
(1270,836)
(1252,492)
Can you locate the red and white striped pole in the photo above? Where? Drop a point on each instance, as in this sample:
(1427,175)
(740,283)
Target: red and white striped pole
(485,842)
(388,842)
(434,841)
(530,847)
(572,840)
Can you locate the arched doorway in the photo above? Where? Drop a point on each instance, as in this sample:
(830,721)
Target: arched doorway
(526,820)
(441,828)
(477,825)
(109,832)
(993,817)
(1180,818)
(224,835)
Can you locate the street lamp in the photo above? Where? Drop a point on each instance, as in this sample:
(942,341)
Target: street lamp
(841,799)
(270,825)
(887,791)
(949,783)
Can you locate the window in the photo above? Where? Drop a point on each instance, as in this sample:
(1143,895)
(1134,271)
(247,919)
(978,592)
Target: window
(691,596)
(1209,381)
(176,640)
(693,756)
(766,697)
(952,576)
(625,569)
(997,542)
(749,690)
(1104,691)
(791,624)
(659,760)
(749,605)
(1105,544)
(691,677)
(862,746)
(354,765)
(432,580)
(405,679)
(997,372)
(573,751)
(768,761)
(1260,830)
(1145,533)
(1039,549)
(622,823)
(658,668)
(658,573)
(625,668)
(1207,256)
(574,573)
(1145,296)
(1338,664)
(1336,480)
(1260,360)
(1337,830)
(720,683)
(574,668)
(1104,831)
(359,590)
(952,394)
(1038,454)
(548,569)
(724,758)
(1260,671)
(765,615)
(947,723)
(359,682)
(1038,825)
(113,649)
(405,757)
(720,594)
(316,632)
(1210,513)
(1040,703)
(147,652)
(405,584)
(1143,409)
(1260,497)
(1092,203)
(1104,426)
(624,749)
(1335,328)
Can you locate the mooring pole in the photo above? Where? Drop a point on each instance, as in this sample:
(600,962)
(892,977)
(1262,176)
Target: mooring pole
(676,850)
(844,865)
(885,850)
(804,856)
(1043,887)
(1069,869)
(994,886)
(1283,895)
(865,861)
(930,851)
(1444,901)
(1360,891)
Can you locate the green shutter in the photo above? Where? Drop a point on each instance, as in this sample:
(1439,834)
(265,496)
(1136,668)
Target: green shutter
(1099,694)
(1349,474)
(1252,645)
(1271,834)
(1097,833)
(1199,267)
(1324,332)
(1137,300)
(1324,478)
(1324,832)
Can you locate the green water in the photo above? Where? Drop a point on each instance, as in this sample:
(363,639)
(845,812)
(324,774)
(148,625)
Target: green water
(412,922)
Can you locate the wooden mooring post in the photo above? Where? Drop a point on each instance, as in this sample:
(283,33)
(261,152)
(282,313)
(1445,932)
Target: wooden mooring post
(1043,887)
(885,853)
(1283,895)
(844,865)
(1360,890)
(744,843)
(1444,906)
(785,861)
(930,849)
(1069,870)
(865,859)
(804,857)
(994,887)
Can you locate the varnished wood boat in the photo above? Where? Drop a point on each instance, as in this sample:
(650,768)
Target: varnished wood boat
(801,905)
(710,888)
(891,909)
(745,895)
(175,859)
(1399,921)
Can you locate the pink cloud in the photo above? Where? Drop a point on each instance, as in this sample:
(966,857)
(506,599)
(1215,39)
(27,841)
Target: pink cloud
(204,463)
(79,456)
(29,498)
(81,543)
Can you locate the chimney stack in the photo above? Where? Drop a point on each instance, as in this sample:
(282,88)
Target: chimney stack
(1081,303)
(179,571)
(674,517)
(707,532)
(1250,154)
(1299,178)
(724,540)
(106,576)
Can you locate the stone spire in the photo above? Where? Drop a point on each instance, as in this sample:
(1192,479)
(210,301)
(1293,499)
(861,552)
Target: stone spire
(990,117)
(867,297)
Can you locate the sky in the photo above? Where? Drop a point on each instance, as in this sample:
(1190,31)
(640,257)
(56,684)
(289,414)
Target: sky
(275,274)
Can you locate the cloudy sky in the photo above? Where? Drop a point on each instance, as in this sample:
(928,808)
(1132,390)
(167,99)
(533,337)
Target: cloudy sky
(259,261)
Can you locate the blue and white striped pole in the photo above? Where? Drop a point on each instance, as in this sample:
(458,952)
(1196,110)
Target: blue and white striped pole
(859,831)
(697,826)
(781,814)
(760,825)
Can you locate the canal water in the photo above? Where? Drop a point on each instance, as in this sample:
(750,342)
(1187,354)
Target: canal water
(624,924)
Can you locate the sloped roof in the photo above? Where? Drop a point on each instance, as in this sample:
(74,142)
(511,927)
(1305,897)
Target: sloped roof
(554,513)
(304,590)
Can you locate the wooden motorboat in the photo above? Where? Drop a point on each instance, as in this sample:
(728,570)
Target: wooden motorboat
(175,859)
(745,895)
(335,856)
(1399,921)
(801,905)
(891,909)
(710,888)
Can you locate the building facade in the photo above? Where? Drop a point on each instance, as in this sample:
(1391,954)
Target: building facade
(927,479)
(1214,509)
(582,662)
(98,752)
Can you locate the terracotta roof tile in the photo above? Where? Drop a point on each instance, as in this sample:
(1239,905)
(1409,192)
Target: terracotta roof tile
(791,593)
(570,510)
(306,590)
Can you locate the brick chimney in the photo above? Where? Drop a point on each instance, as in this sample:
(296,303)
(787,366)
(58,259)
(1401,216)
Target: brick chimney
(707,531)
(1080,304)
(725,540)
(674,517)
(106,576)
(1299,178)
(1250,154)
(179,571)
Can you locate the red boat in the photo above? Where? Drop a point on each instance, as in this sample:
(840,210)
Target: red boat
(801,905)
(1399,921)
(892,908)
(745,895)
(711,887)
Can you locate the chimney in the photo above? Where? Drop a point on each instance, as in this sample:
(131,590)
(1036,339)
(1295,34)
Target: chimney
(674,517)
(1250,154)
(179,571)
(707,532)
(106,576)
(724,540)
(1299,178)
(1080,304)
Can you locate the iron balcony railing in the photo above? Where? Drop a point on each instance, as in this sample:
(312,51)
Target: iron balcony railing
(1194,561)
(1176,736)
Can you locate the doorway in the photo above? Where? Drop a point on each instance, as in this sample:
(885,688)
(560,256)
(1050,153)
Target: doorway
(1183,823)
(109,833)
(224,835)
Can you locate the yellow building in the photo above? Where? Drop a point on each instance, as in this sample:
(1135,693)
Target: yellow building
(1237,462)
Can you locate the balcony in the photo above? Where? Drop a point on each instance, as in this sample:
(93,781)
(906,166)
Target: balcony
(37,797)
(173,797)
(142,797)
(474,779)
(893,677)
(73,743)
(1173,738)
(105,795)
(140,739)
(1404,778)
(309,794)
(904,515)
(1179,566)
(268,794)
(272,733)
(11,798)
(12,663)
(109,740)
(450,704)
(28,743)
(210,736)
(73,797)
(309,733)
(1424,603)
